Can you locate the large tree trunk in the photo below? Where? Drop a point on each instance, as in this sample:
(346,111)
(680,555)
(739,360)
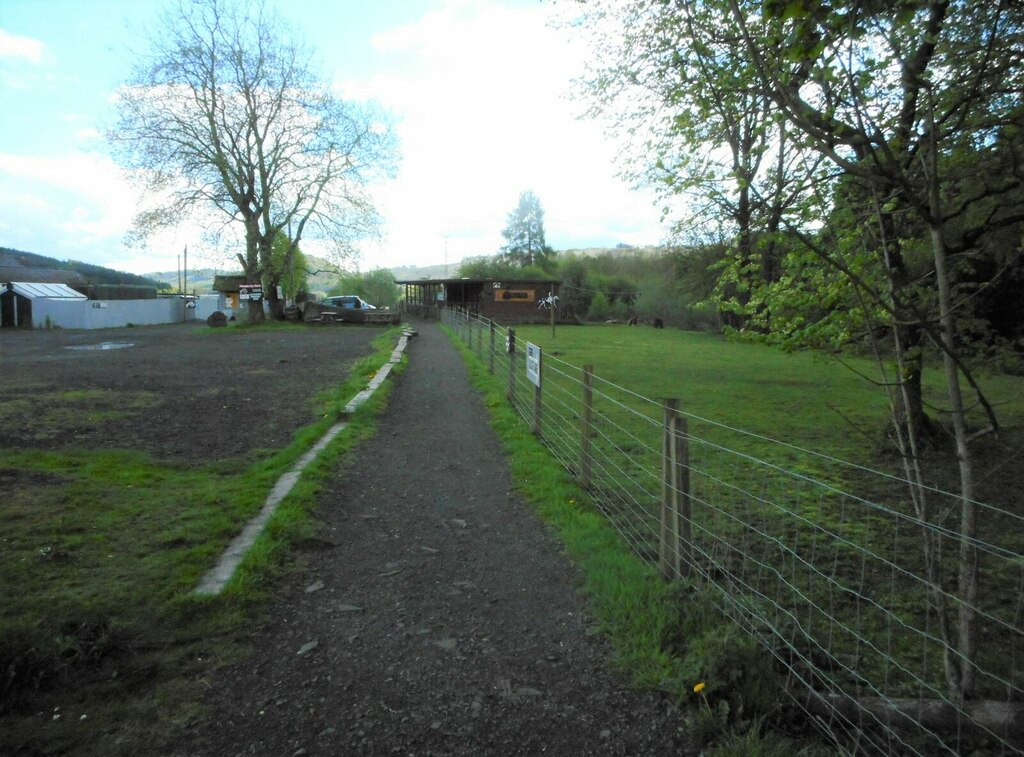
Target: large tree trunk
(740,289)
(252,267)
(276,303)
(256,312)
(910,411)
(909,339)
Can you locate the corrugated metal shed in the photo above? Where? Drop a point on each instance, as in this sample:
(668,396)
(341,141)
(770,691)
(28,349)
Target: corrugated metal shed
(51,291)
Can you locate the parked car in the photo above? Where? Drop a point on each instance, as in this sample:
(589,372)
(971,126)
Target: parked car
(348,308)
(347,301)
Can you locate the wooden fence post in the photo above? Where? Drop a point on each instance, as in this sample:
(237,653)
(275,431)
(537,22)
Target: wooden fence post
(585,423)
(490,359)
(681,434)
(671,493)
(512,366)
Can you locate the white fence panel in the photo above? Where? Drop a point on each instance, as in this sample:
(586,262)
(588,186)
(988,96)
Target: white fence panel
(105,314)
(206,305)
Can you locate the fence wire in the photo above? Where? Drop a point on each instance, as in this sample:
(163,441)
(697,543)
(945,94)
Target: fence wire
(837,586)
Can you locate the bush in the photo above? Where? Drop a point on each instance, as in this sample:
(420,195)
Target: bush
(600,308)
(661,298)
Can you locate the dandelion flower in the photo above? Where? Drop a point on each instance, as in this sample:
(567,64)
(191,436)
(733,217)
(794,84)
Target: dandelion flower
(697,689)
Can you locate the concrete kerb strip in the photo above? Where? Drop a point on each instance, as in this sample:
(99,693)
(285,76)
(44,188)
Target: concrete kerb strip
(215,580)
(217,577)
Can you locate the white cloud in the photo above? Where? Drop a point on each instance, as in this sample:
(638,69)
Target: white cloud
(481,89)
(25,63)
(86,174)
(22,48)
(88,135)
(73,206)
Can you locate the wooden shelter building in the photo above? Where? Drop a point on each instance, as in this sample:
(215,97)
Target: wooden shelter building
(504,301)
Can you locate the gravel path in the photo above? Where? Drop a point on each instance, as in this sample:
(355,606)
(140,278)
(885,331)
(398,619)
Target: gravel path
(440,615)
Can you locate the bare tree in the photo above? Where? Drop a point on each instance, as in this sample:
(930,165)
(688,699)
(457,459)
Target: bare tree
(226,116)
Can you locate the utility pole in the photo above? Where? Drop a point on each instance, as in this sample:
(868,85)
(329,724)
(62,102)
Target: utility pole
(551,300)
(184,301)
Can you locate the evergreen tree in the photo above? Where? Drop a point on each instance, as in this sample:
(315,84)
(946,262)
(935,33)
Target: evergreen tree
(524,234)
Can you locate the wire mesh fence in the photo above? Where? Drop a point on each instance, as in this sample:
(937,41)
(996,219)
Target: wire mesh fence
(846,575)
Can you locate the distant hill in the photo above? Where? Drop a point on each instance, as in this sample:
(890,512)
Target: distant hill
(409,273)
(200,280)
(622,249)
(18,265)
(321,275)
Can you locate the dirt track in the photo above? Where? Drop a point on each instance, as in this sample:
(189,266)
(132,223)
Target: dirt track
(439,616)
(177,392)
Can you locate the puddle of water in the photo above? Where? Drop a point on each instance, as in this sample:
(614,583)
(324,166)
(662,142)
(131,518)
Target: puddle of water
(102,346)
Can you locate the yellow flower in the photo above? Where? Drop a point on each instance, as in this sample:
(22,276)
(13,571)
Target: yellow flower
(699,688)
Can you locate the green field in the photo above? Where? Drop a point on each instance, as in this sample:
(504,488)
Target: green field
(819,560)
(804,399)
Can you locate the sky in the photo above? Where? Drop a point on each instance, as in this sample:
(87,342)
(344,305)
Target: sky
(479,90)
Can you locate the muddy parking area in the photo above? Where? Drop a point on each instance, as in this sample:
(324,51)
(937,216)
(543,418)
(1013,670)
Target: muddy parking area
(182,392)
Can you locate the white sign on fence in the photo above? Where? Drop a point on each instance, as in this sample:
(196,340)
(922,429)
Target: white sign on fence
(533,364)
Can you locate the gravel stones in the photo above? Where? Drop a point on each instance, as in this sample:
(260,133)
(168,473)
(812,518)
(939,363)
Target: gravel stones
(446,621)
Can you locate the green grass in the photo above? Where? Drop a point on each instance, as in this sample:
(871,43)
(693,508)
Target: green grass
(802,398)
(50,414)
(654,643)
(815,555)
(102,642)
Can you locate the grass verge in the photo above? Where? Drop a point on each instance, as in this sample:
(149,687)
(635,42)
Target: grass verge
(104,648)
(666,636)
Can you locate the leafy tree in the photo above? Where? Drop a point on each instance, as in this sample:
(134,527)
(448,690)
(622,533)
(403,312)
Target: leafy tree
(524,234)
(376,287)
(480,268)
(600,308)
(697,268)
(914,108)
(226,116)
(715,148)
(500,267)
(490,267)
(574,293)
(667,291)
(287,267)
(905,99)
